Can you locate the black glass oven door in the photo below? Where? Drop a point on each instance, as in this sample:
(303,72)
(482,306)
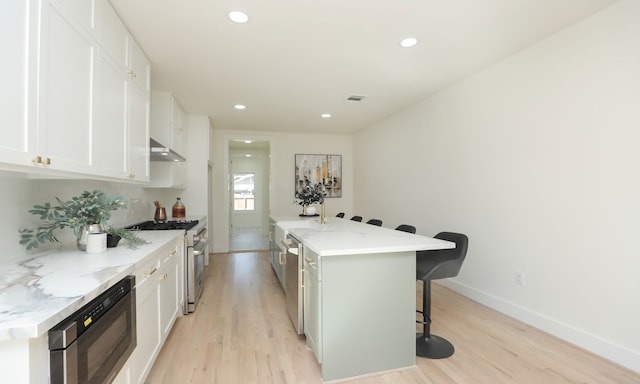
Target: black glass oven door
(104,348)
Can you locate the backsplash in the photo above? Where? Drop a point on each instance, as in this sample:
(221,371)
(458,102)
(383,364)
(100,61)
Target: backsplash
(18,193)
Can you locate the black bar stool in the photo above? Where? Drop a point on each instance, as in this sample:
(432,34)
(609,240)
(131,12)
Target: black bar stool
(375,222)
(432,265)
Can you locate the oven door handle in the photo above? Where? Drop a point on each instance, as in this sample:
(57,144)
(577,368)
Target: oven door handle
(199,248)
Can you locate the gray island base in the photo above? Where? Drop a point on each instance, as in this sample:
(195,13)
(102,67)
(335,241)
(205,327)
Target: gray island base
(367,314)
(360,295)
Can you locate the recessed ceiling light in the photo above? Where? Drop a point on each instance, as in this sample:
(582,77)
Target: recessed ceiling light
(238,16)
(248,141)
(325,115)
(247,155)
(409,42)
(239,106)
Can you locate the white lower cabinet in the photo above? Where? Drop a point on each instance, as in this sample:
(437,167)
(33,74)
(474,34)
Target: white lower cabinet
(158,305)
(126,374)
(148,320)
(169,292)
(312,300)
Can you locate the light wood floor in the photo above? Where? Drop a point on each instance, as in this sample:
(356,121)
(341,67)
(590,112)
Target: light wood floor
(240,333)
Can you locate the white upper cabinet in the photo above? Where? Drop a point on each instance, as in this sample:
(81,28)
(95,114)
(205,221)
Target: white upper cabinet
(82,12)
(121,46)
(111,119)
(168,174)
(138,134)
(113,35)
(122,109)
(168,122)
(75,97)
(15,30)
(139,67)
(68,63)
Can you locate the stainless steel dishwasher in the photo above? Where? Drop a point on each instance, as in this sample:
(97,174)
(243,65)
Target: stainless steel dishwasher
(293,282)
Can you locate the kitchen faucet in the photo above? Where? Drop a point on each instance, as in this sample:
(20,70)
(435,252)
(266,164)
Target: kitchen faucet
(323,216)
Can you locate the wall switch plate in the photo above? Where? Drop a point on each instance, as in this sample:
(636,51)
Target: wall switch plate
(518,278)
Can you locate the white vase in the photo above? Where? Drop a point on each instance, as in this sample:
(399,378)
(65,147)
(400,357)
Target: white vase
(84,235)
(311,211)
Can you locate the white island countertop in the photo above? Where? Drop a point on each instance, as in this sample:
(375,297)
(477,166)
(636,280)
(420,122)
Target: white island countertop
(345,237)
(38,293)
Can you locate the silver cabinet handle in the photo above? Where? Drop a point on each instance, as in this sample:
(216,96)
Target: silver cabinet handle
(280,255)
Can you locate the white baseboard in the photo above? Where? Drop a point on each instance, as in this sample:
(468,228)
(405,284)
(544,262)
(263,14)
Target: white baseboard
(604,348)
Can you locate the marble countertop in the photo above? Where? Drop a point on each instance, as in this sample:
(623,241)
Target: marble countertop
(37,293)
(345,237)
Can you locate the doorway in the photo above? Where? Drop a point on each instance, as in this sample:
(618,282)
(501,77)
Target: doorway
(249,195)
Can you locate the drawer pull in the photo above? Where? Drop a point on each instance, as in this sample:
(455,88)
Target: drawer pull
(151,272)
(163,276)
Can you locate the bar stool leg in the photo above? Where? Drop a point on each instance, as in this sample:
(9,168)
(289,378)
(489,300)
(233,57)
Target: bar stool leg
(428,345)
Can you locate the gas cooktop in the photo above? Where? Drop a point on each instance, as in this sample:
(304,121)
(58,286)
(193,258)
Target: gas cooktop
(166,225)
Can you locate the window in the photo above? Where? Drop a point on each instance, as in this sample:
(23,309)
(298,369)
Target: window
(243,187)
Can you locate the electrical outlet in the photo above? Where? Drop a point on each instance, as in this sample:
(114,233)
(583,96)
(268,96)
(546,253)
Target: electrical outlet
(518,278)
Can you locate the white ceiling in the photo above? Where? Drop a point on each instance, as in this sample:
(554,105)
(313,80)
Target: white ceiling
(294,60)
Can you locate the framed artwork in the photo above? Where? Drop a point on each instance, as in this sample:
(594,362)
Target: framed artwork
(325,170)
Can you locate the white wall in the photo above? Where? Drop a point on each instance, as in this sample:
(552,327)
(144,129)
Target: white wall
(283,148)
(536,158)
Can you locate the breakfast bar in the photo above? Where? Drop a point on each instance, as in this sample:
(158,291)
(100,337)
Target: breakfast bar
(359,294)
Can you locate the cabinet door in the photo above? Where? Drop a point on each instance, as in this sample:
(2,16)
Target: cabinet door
(124,376)
(110,117)
(312,314)
(178,138)
(113,36)
(14,72)
(168,174)
(65,124)
(169,290)
(81,11)
(148,326)
(138,135)
(139,66)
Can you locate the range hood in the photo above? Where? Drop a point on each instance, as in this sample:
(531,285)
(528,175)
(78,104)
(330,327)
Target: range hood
(160,152)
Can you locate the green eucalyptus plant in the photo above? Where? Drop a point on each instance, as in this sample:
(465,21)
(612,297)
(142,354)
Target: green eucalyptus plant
(78,213)
(131,239)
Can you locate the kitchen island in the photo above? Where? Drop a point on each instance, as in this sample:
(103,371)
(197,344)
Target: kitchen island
(359,294)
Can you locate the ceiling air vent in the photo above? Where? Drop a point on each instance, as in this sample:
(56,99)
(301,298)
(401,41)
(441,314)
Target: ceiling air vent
(355,98)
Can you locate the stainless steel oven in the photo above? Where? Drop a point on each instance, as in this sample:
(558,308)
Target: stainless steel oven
(94,343)
(196,253)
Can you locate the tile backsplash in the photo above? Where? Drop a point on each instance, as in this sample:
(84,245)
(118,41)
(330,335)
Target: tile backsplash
(19,192)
